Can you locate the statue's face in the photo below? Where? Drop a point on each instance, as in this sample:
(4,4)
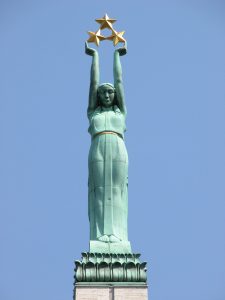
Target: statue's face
(106,95)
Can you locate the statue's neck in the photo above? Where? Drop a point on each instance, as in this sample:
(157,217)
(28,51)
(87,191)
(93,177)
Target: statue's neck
(107,108)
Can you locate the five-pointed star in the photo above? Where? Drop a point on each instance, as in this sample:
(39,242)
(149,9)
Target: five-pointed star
(95,37)
(105,22)
(116,37)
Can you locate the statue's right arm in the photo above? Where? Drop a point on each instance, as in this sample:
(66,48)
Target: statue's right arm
(94,80)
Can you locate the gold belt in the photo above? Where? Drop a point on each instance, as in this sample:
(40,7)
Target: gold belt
(108,132)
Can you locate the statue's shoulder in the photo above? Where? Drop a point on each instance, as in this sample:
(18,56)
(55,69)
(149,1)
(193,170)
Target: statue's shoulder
(94,112)
(118,111)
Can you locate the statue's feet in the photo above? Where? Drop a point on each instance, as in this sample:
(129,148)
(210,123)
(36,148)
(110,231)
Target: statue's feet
(114,239)
(104,238)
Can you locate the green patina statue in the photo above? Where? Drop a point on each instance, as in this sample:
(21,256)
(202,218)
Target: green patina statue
(108,159)
(110,259)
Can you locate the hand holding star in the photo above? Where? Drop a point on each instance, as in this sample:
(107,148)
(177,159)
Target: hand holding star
(89,51)
(123,50)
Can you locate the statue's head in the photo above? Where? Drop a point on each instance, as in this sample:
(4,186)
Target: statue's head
(106,95)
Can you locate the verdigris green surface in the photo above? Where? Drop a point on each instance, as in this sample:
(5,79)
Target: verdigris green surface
(108,160)
(97,267)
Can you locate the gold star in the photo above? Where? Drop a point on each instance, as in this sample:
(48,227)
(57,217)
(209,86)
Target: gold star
(95,37)
(105,22)
(116,37)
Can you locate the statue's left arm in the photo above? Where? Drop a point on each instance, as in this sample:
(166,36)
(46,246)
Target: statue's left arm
(118,80)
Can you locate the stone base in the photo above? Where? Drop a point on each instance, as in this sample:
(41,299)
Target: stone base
(111,291)
(101,247)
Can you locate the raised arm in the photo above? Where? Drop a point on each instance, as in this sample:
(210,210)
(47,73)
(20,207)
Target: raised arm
(94,80)
(118,81)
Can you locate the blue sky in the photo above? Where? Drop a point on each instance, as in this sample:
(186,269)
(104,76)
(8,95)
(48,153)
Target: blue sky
(174,76)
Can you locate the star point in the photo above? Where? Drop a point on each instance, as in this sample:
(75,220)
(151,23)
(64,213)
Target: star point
(95,37)
(105,22)
(116,37)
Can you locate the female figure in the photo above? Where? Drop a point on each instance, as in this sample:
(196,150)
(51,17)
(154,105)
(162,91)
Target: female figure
(108,160)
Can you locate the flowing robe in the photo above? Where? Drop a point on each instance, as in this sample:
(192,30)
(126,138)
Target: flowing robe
(108,174)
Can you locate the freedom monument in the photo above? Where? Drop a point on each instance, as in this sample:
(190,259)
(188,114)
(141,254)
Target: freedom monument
(110,270)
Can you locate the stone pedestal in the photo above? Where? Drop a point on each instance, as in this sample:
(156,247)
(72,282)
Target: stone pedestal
(111,291)
(110,276)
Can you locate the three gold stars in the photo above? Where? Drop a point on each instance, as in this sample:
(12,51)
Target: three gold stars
(106,22)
